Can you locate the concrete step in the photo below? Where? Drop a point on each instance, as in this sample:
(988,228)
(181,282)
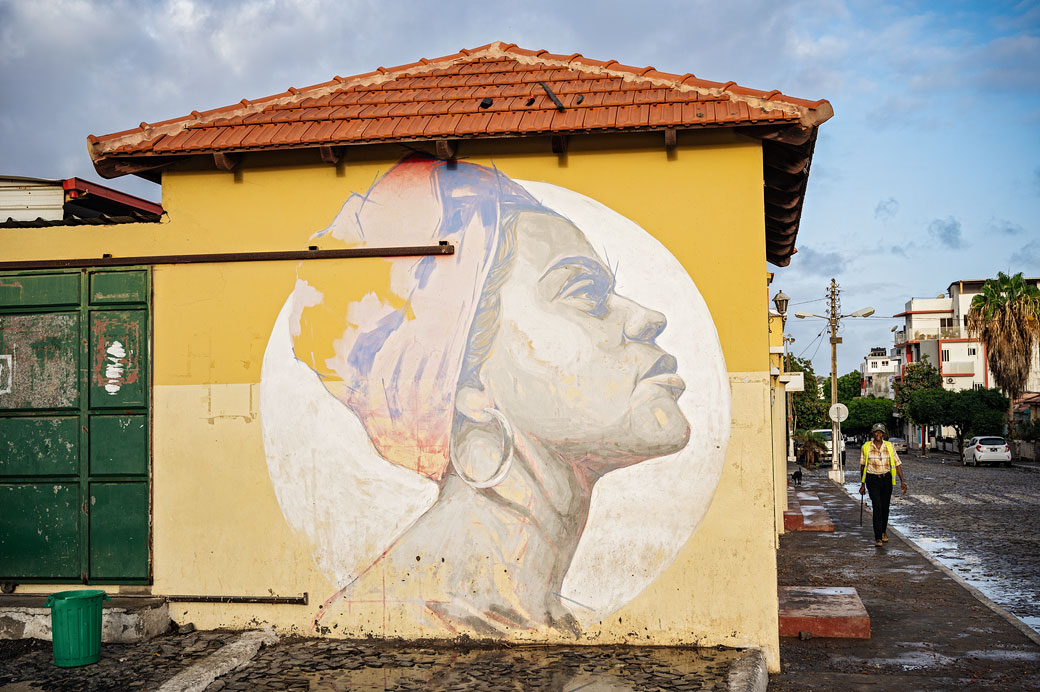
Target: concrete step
(124,619)
(814,516)
(823,611)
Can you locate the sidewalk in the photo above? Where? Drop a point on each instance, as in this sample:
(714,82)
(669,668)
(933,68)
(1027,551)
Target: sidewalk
(929,631)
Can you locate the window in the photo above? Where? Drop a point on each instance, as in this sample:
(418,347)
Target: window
(971,350)
(946,355)
(945,323)
(884,363)
(977,385)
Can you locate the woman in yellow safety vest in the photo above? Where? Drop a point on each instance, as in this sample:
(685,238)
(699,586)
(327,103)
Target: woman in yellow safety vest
(877,462)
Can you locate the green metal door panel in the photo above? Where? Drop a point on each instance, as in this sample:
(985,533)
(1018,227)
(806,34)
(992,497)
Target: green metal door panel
(119,358)
(39,446)
(37,290)
(118,287)
(119,530)
(39,361)
(118,445)
(38,533)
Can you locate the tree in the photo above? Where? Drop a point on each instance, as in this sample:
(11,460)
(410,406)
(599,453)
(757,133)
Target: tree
(916,377)
(812,444)
(929,406)
(849,386)
(864,412)
(968,411)
(809,410)
(1005,318)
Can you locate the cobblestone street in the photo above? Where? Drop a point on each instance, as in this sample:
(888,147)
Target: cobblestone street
(979,522)
(338,665)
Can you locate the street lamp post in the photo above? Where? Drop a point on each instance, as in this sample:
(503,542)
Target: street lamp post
(781,301)
(788,339)
(834,318)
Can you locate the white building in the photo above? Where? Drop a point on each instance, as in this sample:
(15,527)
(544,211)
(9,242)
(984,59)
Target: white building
(879,369)
(937,328)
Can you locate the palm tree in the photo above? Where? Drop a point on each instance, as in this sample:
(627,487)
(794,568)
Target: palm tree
(812,445)
(1005,318)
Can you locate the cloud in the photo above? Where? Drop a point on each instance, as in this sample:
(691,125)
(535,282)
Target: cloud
(886,209)
(947,231)
(1006,227)
(1027,259)
(823,263)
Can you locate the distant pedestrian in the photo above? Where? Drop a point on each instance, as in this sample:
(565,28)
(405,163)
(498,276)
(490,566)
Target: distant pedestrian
(877,463)
(797,476)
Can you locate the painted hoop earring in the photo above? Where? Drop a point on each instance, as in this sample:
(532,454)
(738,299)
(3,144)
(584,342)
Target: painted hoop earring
(503,465)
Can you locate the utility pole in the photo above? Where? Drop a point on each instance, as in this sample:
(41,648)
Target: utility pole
(833,315)
(834,318)
(791,422)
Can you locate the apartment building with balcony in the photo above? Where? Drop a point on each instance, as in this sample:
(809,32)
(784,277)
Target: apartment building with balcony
(936,328)
(879,369)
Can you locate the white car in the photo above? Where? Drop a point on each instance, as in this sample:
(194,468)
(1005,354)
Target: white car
(986,450)
(825,433)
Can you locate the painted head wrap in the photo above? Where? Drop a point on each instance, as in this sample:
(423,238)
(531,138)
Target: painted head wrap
(388,336)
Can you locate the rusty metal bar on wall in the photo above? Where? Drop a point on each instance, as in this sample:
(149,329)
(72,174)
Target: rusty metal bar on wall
(272,600)
(213,257)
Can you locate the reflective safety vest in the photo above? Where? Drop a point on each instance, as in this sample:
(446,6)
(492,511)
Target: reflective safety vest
(866,456)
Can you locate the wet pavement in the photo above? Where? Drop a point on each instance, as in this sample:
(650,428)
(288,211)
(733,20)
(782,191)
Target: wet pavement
(144,666)
(928,632)
(979,522)
(339,665)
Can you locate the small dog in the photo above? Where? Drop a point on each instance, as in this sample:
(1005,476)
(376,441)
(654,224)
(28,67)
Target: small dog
(797,477)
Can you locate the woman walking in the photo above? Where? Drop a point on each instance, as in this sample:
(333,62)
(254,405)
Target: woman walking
(877,463)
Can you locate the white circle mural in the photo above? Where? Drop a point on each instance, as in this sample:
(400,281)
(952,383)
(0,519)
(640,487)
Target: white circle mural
(533,426)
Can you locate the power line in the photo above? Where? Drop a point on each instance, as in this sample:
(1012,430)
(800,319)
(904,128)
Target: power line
(811,344)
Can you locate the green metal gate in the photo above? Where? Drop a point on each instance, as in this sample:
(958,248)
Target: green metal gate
(74,426)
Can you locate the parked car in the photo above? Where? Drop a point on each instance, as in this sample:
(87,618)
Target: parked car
(898,444)
(825,433)
(987,450)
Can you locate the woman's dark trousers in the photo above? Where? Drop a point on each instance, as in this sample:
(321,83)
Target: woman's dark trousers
(880,490)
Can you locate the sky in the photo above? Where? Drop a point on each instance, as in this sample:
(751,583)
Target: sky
(927,174)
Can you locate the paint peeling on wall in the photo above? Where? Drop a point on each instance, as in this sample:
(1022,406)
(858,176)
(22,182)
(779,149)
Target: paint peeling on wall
(498,440)
(114,364)
(39,369)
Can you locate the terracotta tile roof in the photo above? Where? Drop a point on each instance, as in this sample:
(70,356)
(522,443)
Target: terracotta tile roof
(477,92)
(497,90)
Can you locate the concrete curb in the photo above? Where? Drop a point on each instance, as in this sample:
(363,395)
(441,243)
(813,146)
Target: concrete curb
(748,673)
(981,597)
(229,657)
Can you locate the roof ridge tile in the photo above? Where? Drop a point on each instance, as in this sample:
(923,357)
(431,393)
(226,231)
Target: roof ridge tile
(498,70)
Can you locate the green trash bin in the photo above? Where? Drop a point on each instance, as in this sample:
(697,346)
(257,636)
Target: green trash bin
(76,626)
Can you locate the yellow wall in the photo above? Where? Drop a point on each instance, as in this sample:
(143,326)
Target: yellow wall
(778,414)
(217,527)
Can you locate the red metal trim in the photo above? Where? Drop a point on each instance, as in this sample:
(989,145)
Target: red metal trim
(953,341)
(78,185)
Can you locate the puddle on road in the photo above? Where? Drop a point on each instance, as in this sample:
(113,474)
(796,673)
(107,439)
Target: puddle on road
(968,566)
(1004,655)
(569,670)
(911,660)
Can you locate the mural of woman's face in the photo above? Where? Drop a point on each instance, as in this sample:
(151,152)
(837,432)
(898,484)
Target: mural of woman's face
(575,365)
